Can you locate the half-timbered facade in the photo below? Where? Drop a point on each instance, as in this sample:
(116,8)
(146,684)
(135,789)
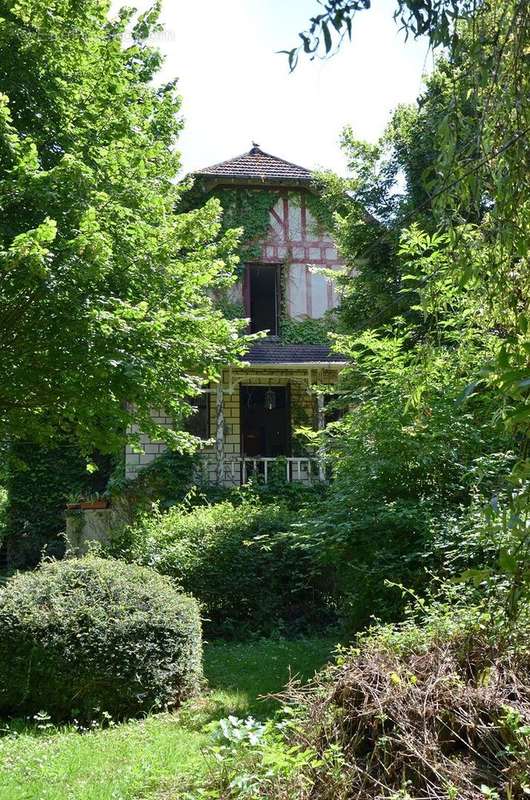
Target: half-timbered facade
(250,417)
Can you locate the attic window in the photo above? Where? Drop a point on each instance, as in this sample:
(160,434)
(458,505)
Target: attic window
(261,297)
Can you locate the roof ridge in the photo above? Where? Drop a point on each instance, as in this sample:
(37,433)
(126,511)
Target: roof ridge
(226,161)
(254,152)
(278,158)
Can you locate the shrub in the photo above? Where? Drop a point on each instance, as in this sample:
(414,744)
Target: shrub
(436,711)
(89,636)
(406,470)
(234,558)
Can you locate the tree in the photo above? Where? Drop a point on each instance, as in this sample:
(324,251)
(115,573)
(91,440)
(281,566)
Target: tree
(105,310)
(394,180)
(463,264)
(436,19)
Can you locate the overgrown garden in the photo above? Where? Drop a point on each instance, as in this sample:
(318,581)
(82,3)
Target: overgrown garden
(415,556)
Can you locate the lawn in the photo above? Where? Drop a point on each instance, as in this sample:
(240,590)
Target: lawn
(151,759)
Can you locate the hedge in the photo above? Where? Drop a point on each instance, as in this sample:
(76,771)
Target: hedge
(236,560)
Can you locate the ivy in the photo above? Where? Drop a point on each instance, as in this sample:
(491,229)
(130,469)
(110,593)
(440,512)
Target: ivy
(40,482)
(321,212)
(247,209)
(230,308)
(304,331)
(166,481)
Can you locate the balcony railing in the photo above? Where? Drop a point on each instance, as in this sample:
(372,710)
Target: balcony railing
(240,469)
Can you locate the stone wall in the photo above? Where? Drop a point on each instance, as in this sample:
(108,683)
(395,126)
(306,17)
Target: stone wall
(136,460)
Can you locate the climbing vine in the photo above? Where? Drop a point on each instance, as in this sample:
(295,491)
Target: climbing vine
(301,331)
(248,209)
(39,483)
(230,309)
(305,331)
(320,212)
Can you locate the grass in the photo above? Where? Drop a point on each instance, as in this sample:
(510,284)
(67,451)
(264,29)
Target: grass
(151,759)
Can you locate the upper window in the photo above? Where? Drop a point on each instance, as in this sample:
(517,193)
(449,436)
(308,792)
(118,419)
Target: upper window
(262,297)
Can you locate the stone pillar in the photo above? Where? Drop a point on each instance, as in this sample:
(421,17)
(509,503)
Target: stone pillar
(220,433)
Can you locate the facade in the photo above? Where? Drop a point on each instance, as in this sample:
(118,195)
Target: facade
(253,412)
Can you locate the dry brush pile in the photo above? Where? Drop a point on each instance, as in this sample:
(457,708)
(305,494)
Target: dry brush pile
(446,721)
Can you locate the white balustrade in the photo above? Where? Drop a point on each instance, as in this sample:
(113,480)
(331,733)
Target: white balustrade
(239,469)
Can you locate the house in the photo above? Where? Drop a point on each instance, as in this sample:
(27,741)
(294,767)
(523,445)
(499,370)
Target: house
(252,413)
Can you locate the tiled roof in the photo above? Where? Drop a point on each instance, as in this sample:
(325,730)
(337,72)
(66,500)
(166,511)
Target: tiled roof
(276,353)
(257,165)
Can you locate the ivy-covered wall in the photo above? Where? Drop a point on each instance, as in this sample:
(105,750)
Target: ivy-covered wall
(305,331)
(40,481)
(290,228)
(250,210)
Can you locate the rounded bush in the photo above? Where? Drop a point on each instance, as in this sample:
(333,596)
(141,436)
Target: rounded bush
(86,637)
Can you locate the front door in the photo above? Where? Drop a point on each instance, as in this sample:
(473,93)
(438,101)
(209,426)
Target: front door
(265,421)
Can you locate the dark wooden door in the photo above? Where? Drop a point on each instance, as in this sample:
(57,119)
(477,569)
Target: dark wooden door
(265,431)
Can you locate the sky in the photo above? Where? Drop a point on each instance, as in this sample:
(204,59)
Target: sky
(237,90)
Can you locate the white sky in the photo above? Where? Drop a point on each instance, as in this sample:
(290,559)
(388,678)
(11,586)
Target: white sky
(236,88)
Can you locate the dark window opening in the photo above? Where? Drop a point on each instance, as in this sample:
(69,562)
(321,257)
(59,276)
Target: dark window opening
(97,481)
(262,298)
(198,423)
(334,408)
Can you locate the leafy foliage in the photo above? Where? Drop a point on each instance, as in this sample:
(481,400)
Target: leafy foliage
(244,209)
(436,18)
(248,209)
(305,331)
(249,759)
(232,557)
(39,484)
(439,709)
(105,302)
(166,481)
(408,455)
(103,638)
(435,322)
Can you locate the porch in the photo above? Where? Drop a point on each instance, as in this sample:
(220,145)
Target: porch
(250,418)
(256,410)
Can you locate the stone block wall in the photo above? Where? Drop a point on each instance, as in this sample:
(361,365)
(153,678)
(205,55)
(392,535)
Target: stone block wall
(135,460)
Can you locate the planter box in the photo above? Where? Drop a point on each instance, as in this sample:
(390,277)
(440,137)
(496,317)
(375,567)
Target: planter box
(94,505)
(73,506)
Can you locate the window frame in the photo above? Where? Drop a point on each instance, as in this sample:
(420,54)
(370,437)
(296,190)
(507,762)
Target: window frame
(196,416)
